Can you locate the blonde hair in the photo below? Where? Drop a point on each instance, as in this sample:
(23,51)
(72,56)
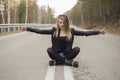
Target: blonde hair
(67,26)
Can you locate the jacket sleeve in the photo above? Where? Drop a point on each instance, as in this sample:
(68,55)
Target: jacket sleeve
(44,31)
(85,33)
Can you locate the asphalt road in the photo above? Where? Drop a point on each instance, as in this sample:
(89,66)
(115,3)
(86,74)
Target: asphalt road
(23,56)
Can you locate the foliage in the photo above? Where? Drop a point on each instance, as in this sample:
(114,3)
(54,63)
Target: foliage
(21,12)
(35,13)
(90,11)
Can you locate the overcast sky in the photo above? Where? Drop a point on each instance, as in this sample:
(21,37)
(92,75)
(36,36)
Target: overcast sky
(59,6)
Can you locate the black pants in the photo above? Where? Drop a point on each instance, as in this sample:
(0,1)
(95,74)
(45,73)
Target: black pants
(55,55)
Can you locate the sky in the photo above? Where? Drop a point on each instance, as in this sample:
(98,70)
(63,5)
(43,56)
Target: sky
(59,6)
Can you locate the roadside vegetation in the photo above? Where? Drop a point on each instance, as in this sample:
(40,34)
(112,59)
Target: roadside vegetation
(88,14)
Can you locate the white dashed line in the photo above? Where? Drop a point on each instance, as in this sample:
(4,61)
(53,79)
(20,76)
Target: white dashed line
(50,73)
(68,75)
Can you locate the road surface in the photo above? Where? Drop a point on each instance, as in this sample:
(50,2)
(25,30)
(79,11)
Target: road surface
(23,56)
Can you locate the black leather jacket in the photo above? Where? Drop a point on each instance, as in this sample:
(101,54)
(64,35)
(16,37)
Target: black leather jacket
(69,43)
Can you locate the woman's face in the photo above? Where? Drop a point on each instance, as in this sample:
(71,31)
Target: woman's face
(61,24)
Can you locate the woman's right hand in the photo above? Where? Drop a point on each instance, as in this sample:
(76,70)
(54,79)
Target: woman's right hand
(23,28)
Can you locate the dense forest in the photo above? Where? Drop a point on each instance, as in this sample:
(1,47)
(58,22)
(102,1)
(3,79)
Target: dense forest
(96,13)
(86,13)
(25,11)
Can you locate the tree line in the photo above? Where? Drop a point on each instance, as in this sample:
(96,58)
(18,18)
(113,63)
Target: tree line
(35,14)
(85,12)
(93,12)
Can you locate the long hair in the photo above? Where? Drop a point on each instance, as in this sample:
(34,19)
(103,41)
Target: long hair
(67,26)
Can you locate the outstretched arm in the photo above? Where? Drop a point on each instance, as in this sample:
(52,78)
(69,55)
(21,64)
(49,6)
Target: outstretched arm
(88,33)
(49,31)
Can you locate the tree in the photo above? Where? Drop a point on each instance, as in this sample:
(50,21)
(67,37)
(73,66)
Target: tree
(93,11)
(22,11)
(50,15)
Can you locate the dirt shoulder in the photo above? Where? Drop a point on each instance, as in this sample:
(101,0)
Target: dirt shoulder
(110,27)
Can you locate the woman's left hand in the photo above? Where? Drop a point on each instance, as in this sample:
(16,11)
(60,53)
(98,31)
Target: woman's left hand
(103,31)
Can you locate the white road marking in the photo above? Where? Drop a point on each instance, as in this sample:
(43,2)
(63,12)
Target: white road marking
(68,75)
(50,73)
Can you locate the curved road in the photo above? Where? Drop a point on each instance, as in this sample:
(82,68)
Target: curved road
(23,56)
